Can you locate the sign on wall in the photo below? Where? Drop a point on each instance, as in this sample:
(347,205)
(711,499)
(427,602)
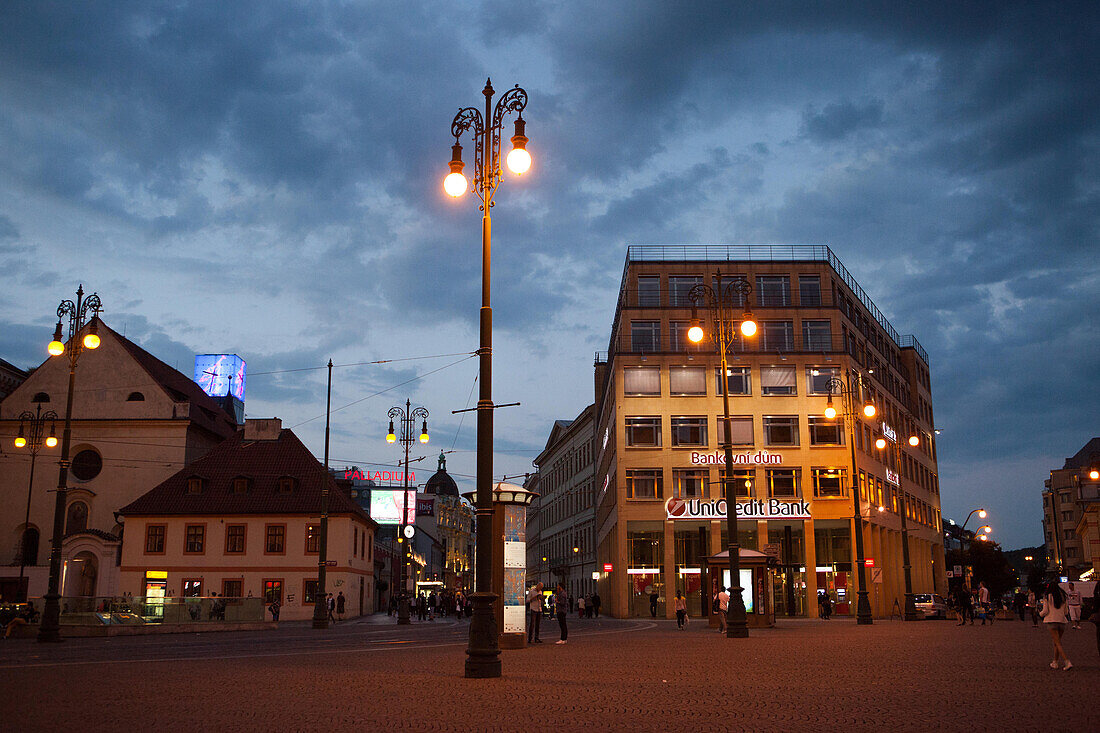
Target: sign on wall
(718,458)
(386,506)
(749,509)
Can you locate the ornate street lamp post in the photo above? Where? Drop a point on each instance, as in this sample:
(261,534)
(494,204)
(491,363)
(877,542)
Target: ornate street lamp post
(910,612)
(721,300)
(483,652)
(851,392)
(407,418)
(50,629)
(33,437)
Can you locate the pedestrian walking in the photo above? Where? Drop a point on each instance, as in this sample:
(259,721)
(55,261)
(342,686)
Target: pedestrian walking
(561,607)
(534,614)
(1055,618)
(983,603)
(1019,601)
(341,603)
(572,603)
(580,607)
(960,598)
(596,605)
(588,606)
(723,608)
(1073,600)
(681,610)
(331,608)
(1033,604)
(274,609)
(653,603)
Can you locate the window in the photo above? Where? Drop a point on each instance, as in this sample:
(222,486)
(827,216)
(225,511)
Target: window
(240,485)
(645,335)
(275,539)
(649,291)
(642,381)
(817,335)
(194,537)
(1067,534)
(194,485)
(689,483)
(824,431)
(285,485)
(829,482)
(743,479)
(192,588)
(1067,516)
(154,539)
(689,431)
(817,379)
(313,539)
(782,482)
(740,429)
(679,286)
(273,591)
(809,290)
(86,465)
(687,380)
(738,380)
(773,290)
(777,380)
(645,483)
(778,335)
(643,432)
(234,539)
(232,588)
(76,517)
(309,591)
(782,430)
(678,337)
(136,397)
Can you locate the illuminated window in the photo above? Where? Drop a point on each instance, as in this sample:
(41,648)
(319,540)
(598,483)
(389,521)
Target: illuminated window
(313,539)
(275,539)
(687,380)
(688,483)
(777,380)
(273,591)
(829,482)
(646,483)
(234,538)
(782,482)
(743,480)
(194,538)
(192,589)
(309,591)
(643,432)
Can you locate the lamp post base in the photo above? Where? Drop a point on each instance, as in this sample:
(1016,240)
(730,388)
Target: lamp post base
(483,653)
(403,611)
(737,625)
(50,629)
(911,608)
(863,610)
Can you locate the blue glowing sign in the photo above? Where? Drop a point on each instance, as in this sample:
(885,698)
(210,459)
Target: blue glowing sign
(220,374)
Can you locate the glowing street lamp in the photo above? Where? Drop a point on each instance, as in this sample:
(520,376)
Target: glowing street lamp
(407,418)
(910,611)
(33,437)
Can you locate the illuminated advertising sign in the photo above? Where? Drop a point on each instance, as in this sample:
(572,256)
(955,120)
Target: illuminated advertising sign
(752,508)
(759,458)
(889,433)
(220,374)
(386,506)
(892,477)
(355,474)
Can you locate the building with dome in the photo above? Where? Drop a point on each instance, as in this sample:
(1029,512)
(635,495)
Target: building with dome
(449,520)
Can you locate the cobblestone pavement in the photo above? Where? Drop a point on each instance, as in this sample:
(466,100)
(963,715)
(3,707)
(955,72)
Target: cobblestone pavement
(612,675)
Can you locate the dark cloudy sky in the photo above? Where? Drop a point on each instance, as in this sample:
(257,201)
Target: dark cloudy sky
(264,178)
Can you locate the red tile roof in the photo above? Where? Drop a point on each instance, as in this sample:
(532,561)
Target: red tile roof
(263,462)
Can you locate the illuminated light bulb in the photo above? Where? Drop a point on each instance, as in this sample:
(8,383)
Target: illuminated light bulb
(869,410)
(914,441)
(881,508)
(982,513)
(748,328)
(880,443)
(56,348)
(91,341)
(51,442)
(455,184)
(519,161)
(423,437)
(830,412)
(1094,474)
(695,334)
(20,442)
(391,438)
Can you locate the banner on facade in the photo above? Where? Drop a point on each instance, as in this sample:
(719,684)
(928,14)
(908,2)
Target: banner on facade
(718,458)
(750,509)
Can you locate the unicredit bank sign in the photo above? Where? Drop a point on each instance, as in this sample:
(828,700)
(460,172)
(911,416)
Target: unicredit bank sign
(718,458)
(751,509)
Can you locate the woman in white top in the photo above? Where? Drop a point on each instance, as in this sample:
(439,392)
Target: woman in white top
(1054,616)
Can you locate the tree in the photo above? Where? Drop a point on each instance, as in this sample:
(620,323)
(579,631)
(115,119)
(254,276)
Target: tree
(988,564)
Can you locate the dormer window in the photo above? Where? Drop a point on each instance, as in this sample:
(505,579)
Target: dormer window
(285,485)
(136,397)
(194,485)
(240,485)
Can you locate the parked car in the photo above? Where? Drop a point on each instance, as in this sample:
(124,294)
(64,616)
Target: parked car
(930,605)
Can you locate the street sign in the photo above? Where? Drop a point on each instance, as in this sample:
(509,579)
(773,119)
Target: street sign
(772,550)
(869,562)
(330,563)
(876,575)
(409,531)
(958,571)
(951,573)
(607,567)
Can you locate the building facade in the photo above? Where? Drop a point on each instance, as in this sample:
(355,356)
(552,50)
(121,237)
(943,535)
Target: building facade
(659,436)
(135,422)
(1070,513)
(244,520)
(11,377)
(564,512)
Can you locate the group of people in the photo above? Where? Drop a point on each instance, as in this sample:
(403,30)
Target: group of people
(968,604)
(561,605)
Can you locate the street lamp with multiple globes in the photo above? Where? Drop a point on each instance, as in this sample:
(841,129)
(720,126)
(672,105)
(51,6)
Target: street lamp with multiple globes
(483,652)
(910,612)
(50,629)
(406,417)
(32,435)
(982,514)
(850,391)
(722,299)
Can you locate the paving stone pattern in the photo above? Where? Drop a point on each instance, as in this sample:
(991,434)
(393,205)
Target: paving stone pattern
(612,675)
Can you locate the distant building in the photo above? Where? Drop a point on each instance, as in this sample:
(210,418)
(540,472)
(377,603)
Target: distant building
(244,520)
(1071,513)
(136,421)
(11,377)
(564,512)
(450,518)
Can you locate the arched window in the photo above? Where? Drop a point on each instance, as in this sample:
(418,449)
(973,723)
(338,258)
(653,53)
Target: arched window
(29,550)
(40,397)
(136,397)
(76,518)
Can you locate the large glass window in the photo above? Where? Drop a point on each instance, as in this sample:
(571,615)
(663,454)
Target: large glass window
(689,431)
(689,483)
(738,380)
(678,338)
(740,429)
(809,290)
(687,380)
(644,483)
(824,431)
(829,482)
(743,480)
(678,288)
(781,430)
(778,335)
(777,380)
(642,381)
(817,335)
(782,482)
(645,335)
(817,379)
(649,291)
(773,290)
(643,432)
